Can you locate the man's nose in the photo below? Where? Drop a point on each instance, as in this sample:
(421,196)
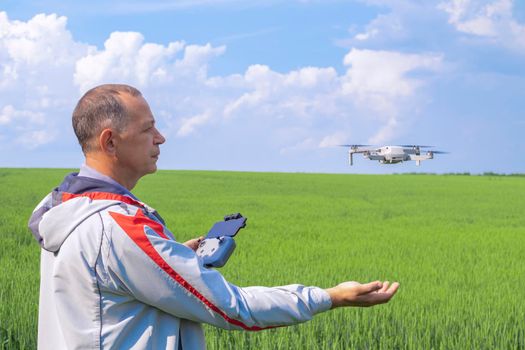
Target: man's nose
(159,139)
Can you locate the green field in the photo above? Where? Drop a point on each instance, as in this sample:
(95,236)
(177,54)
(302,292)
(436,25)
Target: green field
(456,244)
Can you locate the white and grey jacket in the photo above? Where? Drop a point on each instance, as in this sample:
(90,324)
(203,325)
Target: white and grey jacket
(114,277)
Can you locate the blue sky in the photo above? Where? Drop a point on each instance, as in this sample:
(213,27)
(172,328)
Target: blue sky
(273,85)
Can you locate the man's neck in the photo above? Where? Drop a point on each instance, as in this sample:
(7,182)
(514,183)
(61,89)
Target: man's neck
(106,168)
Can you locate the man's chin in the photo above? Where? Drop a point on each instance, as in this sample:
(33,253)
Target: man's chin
(150,168)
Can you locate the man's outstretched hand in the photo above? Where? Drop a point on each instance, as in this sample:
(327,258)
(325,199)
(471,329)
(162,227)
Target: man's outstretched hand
(357,294)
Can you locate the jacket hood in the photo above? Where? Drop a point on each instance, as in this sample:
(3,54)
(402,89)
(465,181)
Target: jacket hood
(55,217)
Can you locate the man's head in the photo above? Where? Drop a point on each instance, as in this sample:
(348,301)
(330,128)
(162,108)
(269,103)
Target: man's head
(116,130)
(99,108)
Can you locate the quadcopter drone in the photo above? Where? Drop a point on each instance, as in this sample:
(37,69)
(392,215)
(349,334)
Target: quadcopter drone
(392,154)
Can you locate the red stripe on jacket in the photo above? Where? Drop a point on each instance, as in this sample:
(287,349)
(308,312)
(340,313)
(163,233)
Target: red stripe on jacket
(134,226)
(102,196)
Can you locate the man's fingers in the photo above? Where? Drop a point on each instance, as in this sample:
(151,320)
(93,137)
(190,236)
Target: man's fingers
(193,243)
(385,294)
(369,287)
(393,288)
(380,297)
(386,284)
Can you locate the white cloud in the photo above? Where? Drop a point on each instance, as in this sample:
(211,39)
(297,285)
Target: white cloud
(189,124)
(384,25)
(34,139)
(334,139)
(9,115)
(386,132)
(301,93)
(42,39)
(126,58)
(373,73)
(303,145)
(379,81)
(370,33)
(401,23)
(37,61)
(429,23)
(493,20)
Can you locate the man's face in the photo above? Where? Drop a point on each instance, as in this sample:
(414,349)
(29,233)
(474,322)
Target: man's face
(137,149)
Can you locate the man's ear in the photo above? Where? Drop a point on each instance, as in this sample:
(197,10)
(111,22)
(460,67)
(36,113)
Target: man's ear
(106,142)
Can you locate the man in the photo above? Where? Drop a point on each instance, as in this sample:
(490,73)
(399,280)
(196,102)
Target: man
(112,274)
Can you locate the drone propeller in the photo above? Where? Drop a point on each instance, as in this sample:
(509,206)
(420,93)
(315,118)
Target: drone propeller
(354,146)
(355,149)
(416,146)
(439,152)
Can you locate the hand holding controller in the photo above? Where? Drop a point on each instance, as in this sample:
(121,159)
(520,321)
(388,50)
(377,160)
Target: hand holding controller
(218,245)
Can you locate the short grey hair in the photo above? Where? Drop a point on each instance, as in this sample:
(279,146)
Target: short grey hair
(99,108)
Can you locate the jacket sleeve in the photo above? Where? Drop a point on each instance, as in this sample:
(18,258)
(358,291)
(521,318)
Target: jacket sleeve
(163,273)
